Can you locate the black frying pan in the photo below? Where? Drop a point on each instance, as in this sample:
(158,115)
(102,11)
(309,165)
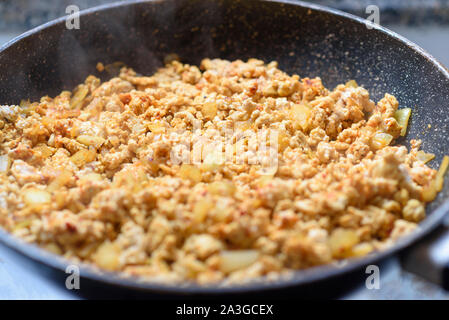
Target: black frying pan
(306,39)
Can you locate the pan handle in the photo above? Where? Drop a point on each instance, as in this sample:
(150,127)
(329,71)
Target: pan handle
(429,258)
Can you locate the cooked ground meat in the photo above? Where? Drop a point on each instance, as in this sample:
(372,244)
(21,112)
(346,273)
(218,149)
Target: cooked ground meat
(226,172)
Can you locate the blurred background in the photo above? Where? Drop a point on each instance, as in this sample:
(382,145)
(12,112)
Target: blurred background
(425,22)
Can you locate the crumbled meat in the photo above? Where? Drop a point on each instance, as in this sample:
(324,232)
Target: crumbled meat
(103,174)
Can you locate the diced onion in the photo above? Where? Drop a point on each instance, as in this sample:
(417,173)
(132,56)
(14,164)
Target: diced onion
(44,150)
(53,247)
(93,176)
(439,181)
(201,209)
(4,163)
(424,157)
(237,259)
(36,197)
(62,178)
(24,103)
(300,114)
(209,110)
(264,180)
(212,161)
(224,188)
(78,96)
(190,172)
(88,140)
(351,84)
(341,242)
(361,249)
(23,224)
(402,116)
(107,256)
(82,157)
(283,141)
(156,127)
(436,185)
(381,140)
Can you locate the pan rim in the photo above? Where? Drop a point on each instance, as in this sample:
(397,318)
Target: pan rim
(299,277)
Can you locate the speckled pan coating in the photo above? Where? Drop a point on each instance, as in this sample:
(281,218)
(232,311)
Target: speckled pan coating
(304,39)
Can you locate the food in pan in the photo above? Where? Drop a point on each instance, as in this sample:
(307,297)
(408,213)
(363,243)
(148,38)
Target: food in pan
(227,172)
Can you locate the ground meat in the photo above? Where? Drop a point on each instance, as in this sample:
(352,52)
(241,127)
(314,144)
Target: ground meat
(223,172)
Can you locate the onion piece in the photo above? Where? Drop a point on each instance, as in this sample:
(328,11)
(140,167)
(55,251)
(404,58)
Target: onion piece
(201,209)
(424,157)
(300,113)
(83,156)
(402,116)
(88,140)
(224,188)
(190,172)
(439,181)
(351,84)
(36,197)
(430,192)
(381,140)
(4,163)
(107,256)
(341,242)
(79,95)
(209,110)
(232,260)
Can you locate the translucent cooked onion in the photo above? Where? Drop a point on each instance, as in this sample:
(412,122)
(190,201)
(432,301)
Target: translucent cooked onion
(232,260)
(402,116)
(224,188)
(78,96)
(209,110)
(201,209)
(352,84)
(88,140)
(107,256)
(190,172)
(300,114)
(341,242)
(4,163)
(381,140)
(439,181)
(424,157)
(82,157)
(36,197)
(436,185)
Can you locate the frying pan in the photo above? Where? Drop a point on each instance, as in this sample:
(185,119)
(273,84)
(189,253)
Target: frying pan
(306,39)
